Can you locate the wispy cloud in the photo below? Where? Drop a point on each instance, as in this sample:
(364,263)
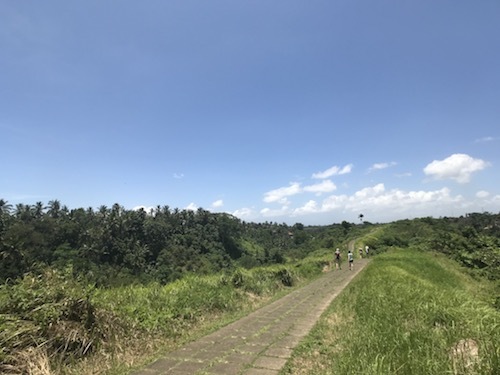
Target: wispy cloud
(486,139)
(406,174)
(24,197)
(283,192)
(333,171)
(379,166)
(268,212)
(178,175)
(281,195)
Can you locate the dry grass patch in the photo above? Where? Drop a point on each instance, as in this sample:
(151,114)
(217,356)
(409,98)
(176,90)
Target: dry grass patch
(31,361)
(464,356)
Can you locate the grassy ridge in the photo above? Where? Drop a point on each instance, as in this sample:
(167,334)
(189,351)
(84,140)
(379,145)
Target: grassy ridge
(408,313)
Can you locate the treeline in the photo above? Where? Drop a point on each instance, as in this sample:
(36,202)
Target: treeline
(112,245)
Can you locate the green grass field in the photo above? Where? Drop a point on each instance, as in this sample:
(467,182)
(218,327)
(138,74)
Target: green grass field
(408,313)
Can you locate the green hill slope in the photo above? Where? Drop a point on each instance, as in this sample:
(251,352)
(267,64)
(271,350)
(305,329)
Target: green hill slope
(409,312)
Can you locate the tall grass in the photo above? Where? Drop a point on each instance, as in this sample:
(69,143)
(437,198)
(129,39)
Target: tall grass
(55,324)
(408,313)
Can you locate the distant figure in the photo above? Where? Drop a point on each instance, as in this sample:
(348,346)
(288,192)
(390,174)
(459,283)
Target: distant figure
(337,259)
(366,250)
(350,258)
(360,252)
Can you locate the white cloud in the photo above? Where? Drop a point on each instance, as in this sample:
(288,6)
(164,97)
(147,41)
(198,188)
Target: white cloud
(379,166)
(412,202)
(218,203)
(382,204)
(192,207)
(147,209)
(278,195)
(333,171)
(310,207)
(369,191)
(326,186)
(482,194)
(334,202)
(377,198)
(281,195)
(178,176)
(458,167)
(268,212)
(485,139)
(243,213)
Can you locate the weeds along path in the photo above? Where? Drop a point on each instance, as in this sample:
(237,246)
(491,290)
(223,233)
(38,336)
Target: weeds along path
(260,343)
(350,245)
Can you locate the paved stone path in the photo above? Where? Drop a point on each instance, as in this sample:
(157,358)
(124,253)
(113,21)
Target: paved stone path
(260,343)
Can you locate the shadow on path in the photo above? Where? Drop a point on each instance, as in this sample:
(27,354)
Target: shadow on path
(261,342)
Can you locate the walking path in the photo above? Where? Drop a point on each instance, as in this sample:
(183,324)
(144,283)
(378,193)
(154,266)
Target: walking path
(260,343)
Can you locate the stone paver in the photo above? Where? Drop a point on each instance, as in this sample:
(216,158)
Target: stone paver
(261,342)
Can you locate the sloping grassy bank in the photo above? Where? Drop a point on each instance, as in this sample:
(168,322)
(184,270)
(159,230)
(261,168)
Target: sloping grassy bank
(55,324)
(409,312)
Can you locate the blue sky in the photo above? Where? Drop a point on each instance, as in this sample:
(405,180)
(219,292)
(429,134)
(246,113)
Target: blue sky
(285,111)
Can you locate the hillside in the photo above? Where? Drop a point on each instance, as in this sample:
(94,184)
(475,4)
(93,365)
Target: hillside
(108,288)
(410,312)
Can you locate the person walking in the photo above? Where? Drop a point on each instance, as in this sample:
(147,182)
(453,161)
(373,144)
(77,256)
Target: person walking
(350,258)
(337,259)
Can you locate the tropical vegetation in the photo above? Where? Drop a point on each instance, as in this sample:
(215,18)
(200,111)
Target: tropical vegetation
(100,291)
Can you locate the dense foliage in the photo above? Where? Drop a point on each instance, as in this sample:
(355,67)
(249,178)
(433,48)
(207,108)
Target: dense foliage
(115,246)
(472,240)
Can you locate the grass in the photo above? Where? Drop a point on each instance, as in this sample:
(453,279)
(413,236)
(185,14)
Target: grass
(53,324)
(407,313)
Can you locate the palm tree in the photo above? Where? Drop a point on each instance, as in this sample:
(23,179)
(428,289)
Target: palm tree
(54,208)
(5,207)
(103,211)
(38,210)
(23,212)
